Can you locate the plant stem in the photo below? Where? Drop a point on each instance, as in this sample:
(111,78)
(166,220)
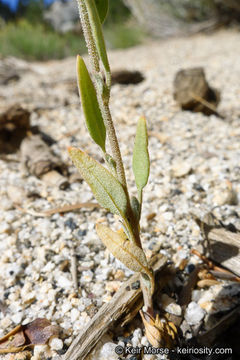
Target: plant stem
(92,51)
(92,30)
(113,141)
(100,85)
(147,290)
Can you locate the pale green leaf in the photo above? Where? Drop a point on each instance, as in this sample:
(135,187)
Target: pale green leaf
(106,188)
(141,163)
(92,113)
(102,7)
(124,250)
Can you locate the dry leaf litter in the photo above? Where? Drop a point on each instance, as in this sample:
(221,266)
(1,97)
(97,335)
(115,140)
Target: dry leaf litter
(194,158)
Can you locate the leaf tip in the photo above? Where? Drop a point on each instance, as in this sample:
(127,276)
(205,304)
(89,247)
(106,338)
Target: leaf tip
(70,148)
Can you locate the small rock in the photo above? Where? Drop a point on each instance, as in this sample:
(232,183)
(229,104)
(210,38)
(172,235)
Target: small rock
(113,286)
(181,169)
(108,352)
(4,228)
(226,196)
(86,276)
(190,268)
(74,315)
(17,318)
(71,224)
(170,306)
(40,350)
(64,282)
(82,233)
(137,336)
(191,89)
(135,285)
(55,344)
(6,203)
(194,313)
(16,194)
(119,275)
(220,298)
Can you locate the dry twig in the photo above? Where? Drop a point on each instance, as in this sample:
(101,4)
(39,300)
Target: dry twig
(122,303)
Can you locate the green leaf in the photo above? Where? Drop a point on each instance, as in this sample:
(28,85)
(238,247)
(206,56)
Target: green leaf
(102,7)
(124,250)
(141,163)
(106,188)
(97,33)
(92,113)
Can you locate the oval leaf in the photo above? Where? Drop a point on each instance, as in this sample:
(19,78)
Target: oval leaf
(124,250)
(102,7)
(141,163)
(92,113)
(106,188)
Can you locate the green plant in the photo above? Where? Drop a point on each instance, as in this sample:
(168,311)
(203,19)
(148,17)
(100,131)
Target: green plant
(108,184)
(37,42)
(122,36)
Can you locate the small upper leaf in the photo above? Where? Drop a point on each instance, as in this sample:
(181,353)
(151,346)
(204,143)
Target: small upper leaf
(124,250)
(92,113)
(106,188)
(141,163)
(102,7)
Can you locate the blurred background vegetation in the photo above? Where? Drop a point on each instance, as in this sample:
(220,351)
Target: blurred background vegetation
(29,31)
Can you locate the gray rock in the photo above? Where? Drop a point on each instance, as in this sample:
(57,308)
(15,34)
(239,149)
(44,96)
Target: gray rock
(62,15)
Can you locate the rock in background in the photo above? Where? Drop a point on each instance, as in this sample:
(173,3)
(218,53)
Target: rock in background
(63,16)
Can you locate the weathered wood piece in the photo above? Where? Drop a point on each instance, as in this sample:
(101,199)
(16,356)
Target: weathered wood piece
(14,124)
(208,337)
(223,245)
(38,159)
(122,303)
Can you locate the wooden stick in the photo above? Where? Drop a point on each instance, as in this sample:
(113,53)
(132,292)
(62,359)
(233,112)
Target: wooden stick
(121,304)
(74,271)
(59,209)
(207,104)
(223,244)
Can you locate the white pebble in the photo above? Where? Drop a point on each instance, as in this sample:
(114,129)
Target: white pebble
(39,350)
(4,227)
(108,351)
(63,282)
(17,318)
(55,343)
(86,276)
(74,315)
(194,313)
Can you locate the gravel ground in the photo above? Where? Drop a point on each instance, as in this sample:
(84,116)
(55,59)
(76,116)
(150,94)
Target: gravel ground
(194,168)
